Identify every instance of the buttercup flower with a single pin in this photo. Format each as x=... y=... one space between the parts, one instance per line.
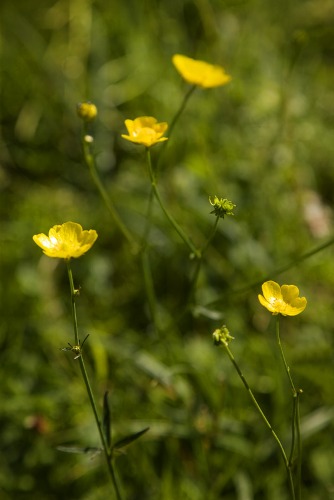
x=145 y=130
x=66 y=241
x=199 y=72
x=283 y=299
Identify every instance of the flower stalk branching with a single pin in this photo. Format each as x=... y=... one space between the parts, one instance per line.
x=87 y=142
x=222 y=337
x=106 y=449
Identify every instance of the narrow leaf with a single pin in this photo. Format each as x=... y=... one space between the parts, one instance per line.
x=129 y=439
x=91 y=450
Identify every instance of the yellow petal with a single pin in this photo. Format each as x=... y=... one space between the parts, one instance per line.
x=145 y=130
x=129 y=125
x=66 y=241
x=283 y=299
x=145 y=121
x=271 y=290
x=267 y=304
x=296 y=307
x=199 y=72
x=289 y=292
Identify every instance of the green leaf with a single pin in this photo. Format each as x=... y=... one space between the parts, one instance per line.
x=91 y=450
x=129 y=439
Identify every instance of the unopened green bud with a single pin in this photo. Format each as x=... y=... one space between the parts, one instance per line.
x=87 y=111
x=221 y=206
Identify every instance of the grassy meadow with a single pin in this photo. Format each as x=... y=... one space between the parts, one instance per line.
x=149 y=303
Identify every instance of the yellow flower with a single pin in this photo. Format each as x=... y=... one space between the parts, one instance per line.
x=283 y=299
x=199 y=72
x=145 y=130
x=66 y=241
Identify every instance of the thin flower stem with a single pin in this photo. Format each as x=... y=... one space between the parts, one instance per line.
x=90 y=162
x=180 y=110
x=107 y=452
x=295 y=424
x=176 y=118
x=293 y=429
x=211 y=235
x=287 y=368
x=74 y=309
x=145 y=262
x=264 y=418
x=294 y=393
x=149 y=287
x=299 y=449
x=148 y=220
x=200 y=261
x=284 y=268
x=192 y=287
x=171 y=219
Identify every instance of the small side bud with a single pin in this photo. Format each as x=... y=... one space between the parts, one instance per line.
x=221 y=207
x=222 y=336
x=89 y=139
x=87 y=111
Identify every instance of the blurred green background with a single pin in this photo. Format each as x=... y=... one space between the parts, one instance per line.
x=264 y=141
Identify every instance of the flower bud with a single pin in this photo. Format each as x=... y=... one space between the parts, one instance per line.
x=87 y=111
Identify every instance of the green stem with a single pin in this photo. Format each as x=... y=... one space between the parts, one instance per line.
x=200 y=261
x=148 y=220
x=264 y=418
x=211 y=235
x=176 y=118
x=295 y=424
x=180 y=110
x=287 y=368
x=171 y=219
x=74 y=309
x=107 y=452
x=293 y=429
x=299 y=448
x=90 y=162
x=149 y=287
x=145 y=262
x=286 y=267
